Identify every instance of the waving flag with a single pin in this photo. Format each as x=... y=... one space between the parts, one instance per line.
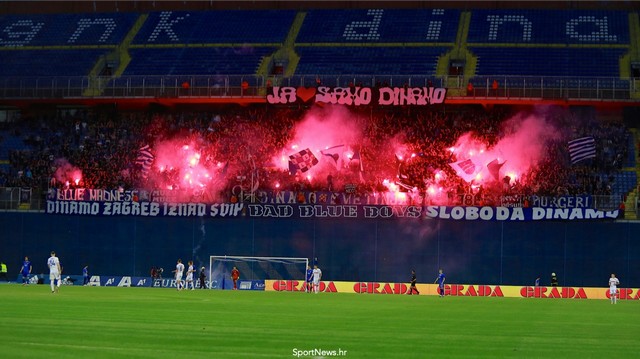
x=357 y=156
x=467 y=169
x=494 y=168
x=582 y=149
x=334 y=154
x=405 y=186
x=145 y=159
x=302 y=161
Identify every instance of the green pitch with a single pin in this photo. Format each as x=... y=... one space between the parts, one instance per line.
x=108 y=322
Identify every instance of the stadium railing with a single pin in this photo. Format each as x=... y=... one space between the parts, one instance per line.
x=21 y=198
x=219 y=86
x=33 y=199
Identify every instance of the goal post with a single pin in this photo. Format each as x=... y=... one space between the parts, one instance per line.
x=255 y=268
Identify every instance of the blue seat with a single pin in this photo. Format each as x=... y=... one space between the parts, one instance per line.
x=225 y=26
x=369 y=60
x=380 y=25
x=67 y=29
x=542 y=61
x=196 y=60
x=48 y=63
x=527 y=26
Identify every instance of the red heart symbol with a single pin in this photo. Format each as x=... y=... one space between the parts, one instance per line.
x=305 y=94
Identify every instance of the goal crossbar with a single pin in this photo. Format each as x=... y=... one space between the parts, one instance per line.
x=248 y=258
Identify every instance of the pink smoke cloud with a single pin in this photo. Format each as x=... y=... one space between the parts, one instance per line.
x=67 y=173
x=521 y=147
x=321 y=129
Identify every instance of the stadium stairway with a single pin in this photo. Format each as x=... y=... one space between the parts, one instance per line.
x=632 y=197
x=633 y=56
x=286 y=54
x=461 y=53
x=120 y=57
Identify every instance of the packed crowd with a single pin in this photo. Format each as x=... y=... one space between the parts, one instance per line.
x=103 y=145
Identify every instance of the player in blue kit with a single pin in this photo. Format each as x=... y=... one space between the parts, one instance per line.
x=440 y=280
x=308 y=284
x=26 y=270
x=85 y=275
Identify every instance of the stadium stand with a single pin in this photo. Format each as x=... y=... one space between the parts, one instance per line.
x=374 y=47
x=201 y=77
x=100 y=146
x=504 y=42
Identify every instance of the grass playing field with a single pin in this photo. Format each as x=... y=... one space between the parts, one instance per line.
x=111 y=322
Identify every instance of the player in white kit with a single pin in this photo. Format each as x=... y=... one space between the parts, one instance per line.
x=54 y=272
x=317 y=275
x=178 y=271
x=613 y=288
x=189 y=280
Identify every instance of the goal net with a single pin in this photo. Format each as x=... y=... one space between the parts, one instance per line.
x=255 y=268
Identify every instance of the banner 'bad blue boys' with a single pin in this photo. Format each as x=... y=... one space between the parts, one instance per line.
x=254 y=210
